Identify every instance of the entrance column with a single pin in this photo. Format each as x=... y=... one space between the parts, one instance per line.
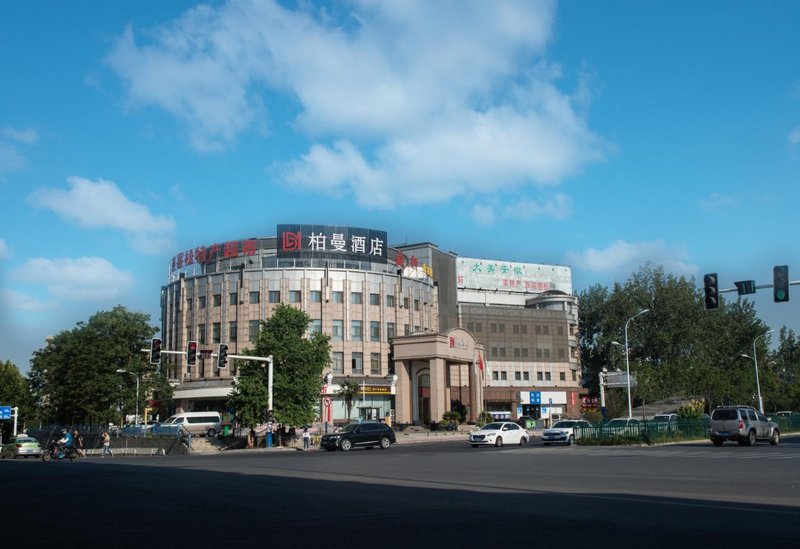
x=402 y=397
x=439 y=406
x=475 y=392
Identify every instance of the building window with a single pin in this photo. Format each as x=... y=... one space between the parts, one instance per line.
x=526 y=376
x=539 y=376
x=494 y=352
x=416 y=328
x=523 y=329
x=538 y=330
x=374 y=299
x=252 y=330
x=515 y=328
x=478 y=327
x=338 y=330
x=217 y=300
x=495 y=376
x=502 y=328
x=547 y=376
x=562 y=376
x=390 y=301
x=201 y=302
x=538 y=352
x=274 y=296
x=232 y=330
x=215 y=332
x=357 y=363
x=416 y=304
x=295 y=296
x=255 y=297
x=561 y=353
x=470 y=327
x=375 y=363
x=406 y=329
x=201 y=334
x=517 y=352
x=405 y=302
x=356 y=330
x=374 y=330
x=355 y=298
x=560 y=330
x=337 y=363
x=494 y=328
x=337 y=297
x=315 y=326
x=502 y=352
x=545 y=330
x=389 y=331
x=524 y=352
x=315 y=296
x=232 y=300
x=503 y=376
x=189 y=303
x=574 y=375
x=517 y=376
x=547 y=353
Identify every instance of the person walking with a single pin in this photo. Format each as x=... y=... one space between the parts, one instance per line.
x=306 y=438
x=77 y=441
x=106 y=438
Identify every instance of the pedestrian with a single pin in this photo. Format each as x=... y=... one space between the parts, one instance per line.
x=106 y=439
x=77 y=441
x=306 y=438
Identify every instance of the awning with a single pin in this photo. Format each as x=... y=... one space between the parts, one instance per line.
x=206 y=392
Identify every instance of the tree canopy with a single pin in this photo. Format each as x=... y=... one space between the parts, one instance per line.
x=14 y=392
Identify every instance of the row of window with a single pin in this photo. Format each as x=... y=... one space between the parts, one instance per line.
x=500 y=328
x=356 y=363
x=315 y=326
x=522 y=352
x=296 y=296
x=502 y=375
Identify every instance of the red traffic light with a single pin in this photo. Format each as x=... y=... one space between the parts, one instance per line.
x=191 y=353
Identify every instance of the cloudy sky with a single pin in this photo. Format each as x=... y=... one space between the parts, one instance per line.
x=598 y=135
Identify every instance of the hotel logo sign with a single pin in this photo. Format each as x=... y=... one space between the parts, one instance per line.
x=331 y=242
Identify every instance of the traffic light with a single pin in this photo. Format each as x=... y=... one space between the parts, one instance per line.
x=222 y=356
x=780 y=283
x=155 y=351
x=711 y=287
x=191 y=353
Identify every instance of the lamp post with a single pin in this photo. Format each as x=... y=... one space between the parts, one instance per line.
x=121 y=371
x=627 y=360
x=755 y=362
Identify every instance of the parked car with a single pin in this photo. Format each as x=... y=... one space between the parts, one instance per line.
x=498 y=433
x=21 y=446
x=622 y=426
x=526 y=422
x=196 y=423
x=364 y=433
x=563 y=431
x=744 y=424
x=663 y=423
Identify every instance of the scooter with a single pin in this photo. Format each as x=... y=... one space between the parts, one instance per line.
x=59 y=452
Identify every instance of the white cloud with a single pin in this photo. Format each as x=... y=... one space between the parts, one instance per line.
x=4 y=250
x=555 y=207
x=624 y=258
x=405 y=103
x=719 y=201
x=483 y=214
x=10 y=158
x=13 y=300
x=793 y=139
x=10 y=138
x=27 y=136
x=81 y=279
x=100 y=204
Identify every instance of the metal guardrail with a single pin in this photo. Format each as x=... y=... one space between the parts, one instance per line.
x=647 y=431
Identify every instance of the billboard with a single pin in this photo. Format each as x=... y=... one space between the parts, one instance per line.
x=489 y=274
x=331 y=242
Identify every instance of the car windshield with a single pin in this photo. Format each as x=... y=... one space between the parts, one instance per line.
x=25 y=439
x=617 y=422
x=563 y=424
x=661 y=418
x=492 y=427
x=170 y=421
x=350 y=427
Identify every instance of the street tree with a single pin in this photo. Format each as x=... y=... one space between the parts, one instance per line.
x=250 y=395
x=298 y=363
x=348 y=392
x=14 y=392
x=74 y=377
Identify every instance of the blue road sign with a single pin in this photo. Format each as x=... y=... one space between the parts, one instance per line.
x=5 y=412
x=536 y=397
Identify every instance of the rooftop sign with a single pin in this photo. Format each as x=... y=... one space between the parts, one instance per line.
x=331 y=242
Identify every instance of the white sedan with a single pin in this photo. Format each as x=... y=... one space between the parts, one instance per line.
x=564 y=431
x=498 y=433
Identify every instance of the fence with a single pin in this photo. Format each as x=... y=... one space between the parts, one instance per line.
x=636 y=431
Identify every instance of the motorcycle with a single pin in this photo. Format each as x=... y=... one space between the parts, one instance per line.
x=58 y=452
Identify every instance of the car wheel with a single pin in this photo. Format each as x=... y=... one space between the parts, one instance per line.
x=523 y=441
x=384 y=443
x=775 y=438
x=46 y=456
x=570 y=440
x=345 y=445
x=717 y=442
x=498 y=442
x=751 y=438
x=211 y=433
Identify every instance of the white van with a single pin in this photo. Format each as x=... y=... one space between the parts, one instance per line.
x=197 y=423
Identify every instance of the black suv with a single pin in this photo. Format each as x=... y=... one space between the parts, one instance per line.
x=365 y=433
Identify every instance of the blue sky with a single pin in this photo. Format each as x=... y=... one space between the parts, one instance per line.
x=598 y=135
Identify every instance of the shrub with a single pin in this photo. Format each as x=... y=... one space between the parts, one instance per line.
x=693 y=409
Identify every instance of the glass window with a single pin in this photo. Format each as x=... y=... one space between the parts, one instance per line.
x=356 y=330
x=390 y=301
x=374 y=330
x=517 y=376
x=574 y=375
x=217 y=300
x=295 y=296
x=255 y=297
x=374 y=299
x=389 y=331
x=337 y=363
x=545 y=330
x=416 y=304
x=547 y=376
x=524 y=352
x=502 y=328
x=315 y=326
x=523 y=329
x=252 y=330
x=526 y=376
x=494 y=352
x=274 y=296
x=470 y=327
x=478 y=327
x=494 y=328
x=215 y=332
x=337 y=297
x=515 y=328
x=495 y=376
x=406 y=329
x=562 y=376
x=201 y=334
x=517 y=352
x=315 y=296
x=189 y=303
x=405 y=302
x=357 y=363
x=539 y=376
x=503 y=376
x=232 y=298
x=502 y=352
x=201 y=302
x=232 y=331
x=338 y=330
x=375 y=363
x=355 y=298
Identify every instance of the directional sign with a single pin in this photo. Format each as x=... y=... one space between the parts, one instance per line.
x=535 y=397
x=5 y=412
x=744 y=287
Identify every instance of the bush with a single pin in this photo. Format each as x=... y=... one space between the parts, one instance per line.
x=593 y=416
x=693 y=409
x=484 y=418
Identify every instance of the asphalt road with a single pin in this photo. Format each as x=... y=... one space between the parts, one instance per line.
x=422 y=495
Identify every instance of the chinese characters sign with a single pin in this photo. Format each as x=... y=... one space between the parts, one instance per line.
x=204 y=254
x=331 y=242
x=488 y=274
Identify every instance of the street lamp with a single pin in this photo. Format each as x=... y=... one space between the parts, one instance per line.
x=627 y=359
x=755 y=361
x=121 y=371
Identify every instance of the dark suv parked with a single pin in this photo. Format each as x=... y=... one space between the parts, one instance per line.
x=366 y=433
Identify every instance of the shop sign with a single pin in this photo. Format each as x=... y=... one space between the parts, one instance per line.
x=331 y=242
x=487 y=274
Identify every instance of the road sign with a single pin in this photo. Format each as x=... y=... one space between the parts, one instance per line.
x=745 y=287
x=535 y=397
x=5 y=412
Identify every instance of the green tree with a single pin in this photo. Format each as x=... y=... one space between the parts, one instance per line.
x=348 y=392
x=14 y=392
x=250 y=394
x=298 y=363
x=74 y=377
